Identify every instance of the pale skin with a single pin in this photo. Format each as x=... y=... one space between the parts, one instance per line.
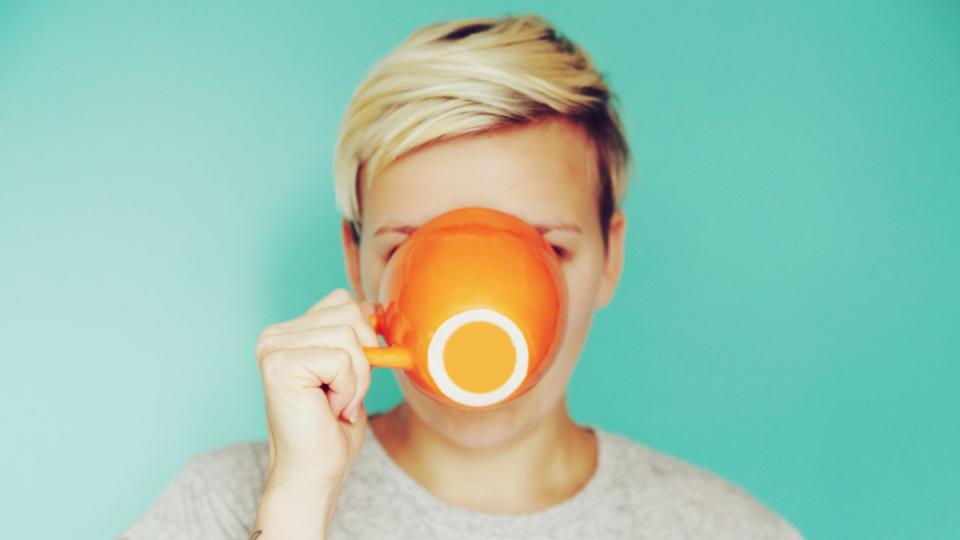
x=524 y=456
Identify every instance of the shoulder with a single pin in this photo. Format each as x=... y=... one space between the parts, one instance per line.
x=238 y=469
x=676 y=491
x=213 y=496
x=236 y=472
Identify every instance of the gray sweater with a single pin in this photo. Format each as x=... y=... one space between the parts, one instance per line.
x=635 y=492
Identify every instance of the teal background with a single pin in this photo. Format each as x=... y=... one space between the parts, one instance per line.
x=788 y=316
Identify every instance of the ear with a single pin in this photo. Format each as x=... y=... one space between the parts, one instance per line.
x=613 y=263
x=351 y=257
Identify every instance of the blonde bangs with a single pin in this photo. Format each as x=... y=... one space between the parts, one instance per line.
x=454 y=78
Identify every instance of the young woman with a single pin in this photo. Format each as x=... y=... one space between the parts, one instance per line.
x=502 y=113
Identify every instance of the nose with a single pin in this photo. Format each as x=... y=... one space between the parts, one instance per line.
x=478 y=357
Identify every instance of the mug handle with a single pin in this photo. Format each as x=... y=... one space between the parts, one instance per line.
x=390 y=357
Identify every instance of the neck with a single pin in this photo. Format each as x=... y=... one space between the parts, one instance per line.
x=536 y=470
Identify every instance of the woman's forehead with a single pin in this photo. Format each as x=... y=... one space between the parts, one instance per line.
x=540 y=172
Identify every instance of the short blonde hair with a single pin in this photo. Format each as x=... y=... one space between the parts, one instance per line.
x=453 y=78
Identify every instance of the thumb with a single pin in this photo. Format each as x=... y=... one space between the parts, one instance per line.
x=367 y=308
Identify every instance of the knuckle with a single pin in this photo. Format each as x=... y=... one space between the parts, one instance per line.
x=272 y=364
x=354 y=313
x=342 y=358
x=264 y=344
x=265 y=333
x=345 y=332
x=353 y=309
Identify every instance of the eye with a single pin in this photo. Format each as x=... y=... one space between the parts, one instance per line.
x=559 y=251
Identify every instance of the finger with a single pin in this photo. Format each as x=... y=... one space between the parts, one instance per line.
x=342 y=334
x=335 y=297
x=304 y=370
x=348 y=313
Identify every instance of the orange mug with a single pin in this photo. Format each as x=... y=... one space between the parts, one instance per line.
x=472 y=306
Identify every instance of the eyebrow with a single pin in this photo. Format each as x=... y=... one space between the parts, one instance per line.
x=541 y=228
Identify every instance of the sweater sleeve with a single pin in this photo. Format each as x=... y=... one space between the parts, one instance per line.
x=214 y=497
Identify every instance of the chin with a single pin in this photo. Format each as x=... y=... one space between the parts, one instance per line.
x=476 y=428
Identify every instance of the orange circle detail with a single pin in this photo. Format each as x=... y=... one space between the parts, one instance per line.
x=479 y=357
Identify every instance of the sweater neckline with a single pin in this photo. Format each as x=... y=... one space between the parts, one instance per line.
x=439 y=509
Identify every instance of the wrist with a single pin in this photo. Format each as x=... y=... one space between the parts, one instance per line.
x=307 y=473
x=295 y=510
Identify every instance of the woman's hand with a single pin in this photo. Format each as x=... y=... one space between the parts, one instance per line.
x=315 y=376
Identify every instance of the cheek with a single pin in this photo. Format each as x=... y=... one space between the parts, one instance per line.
x=583 y=282
x=582 y=285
